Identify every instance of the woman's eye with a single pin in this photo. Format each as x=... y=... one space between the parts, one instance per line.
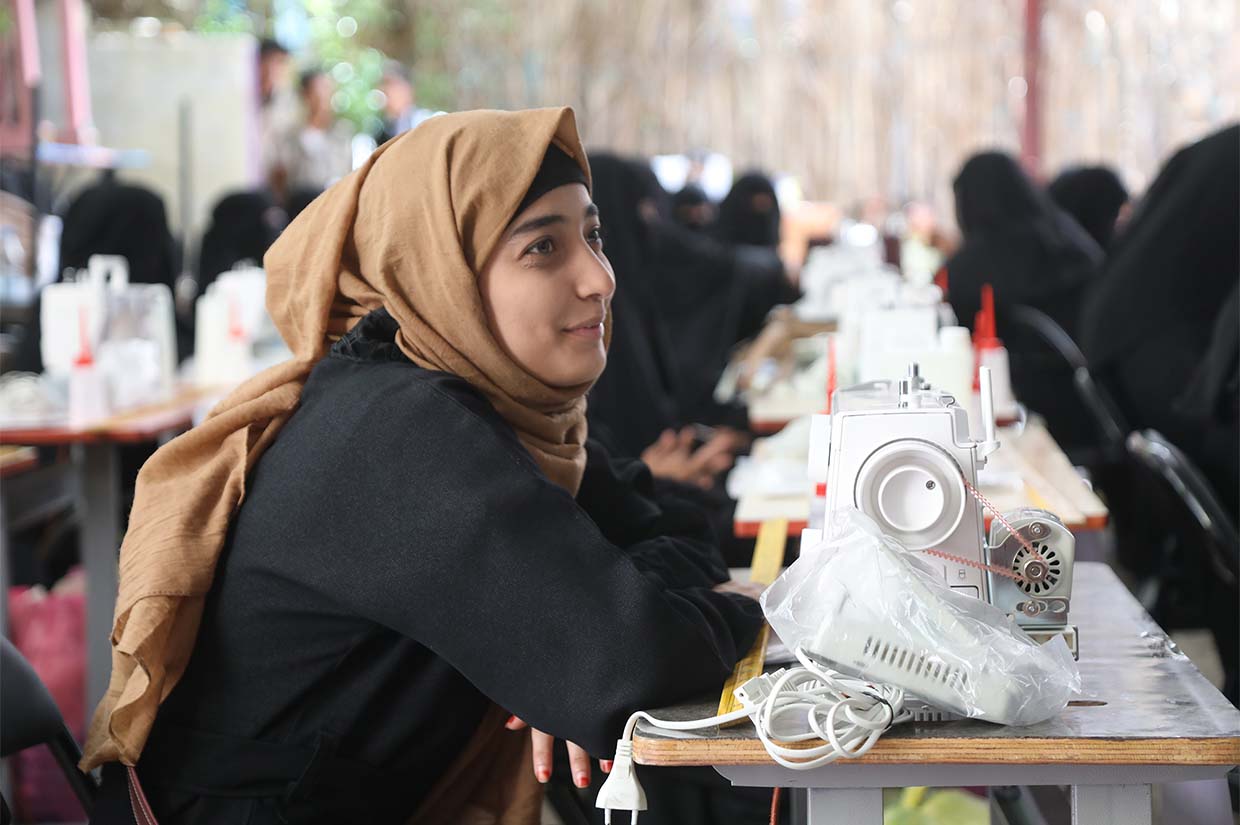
x=595 y=235
x=542 y=247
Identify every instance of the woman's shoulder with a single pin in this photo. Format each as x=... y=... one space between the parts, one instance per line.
x=367 y=380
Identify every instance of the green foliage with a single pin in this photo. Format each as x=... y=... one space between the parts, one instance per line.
x=352 y=39
x=224 y=16
x=944 y=806
x=346 y=39
x=345 y=36
x=435 y=86
x=442 y=32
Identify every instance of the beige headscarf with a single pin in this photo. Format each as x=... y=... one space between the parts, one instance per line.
x=407 y=231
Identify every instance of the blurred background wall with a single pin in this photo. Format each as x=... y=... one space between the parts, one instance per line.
x=767 y=82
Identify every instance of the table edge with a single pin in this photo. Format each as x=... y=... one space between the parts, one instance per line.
x=1220 y=751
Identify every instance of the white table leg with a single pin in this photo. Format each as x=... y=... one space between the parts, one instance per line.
x=844 y=806
x=99 y=546
x=1111 y=805
x=6 y=779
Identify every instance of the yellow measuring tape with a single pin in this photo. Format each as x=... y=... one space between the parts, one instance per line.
x=768 y=558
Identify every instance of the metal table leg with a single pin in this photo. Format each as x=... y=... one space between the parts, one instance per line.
x=6 y=782
x=844 y=806
x=848 y=793
x=1111 y=805
x=5 y=562
x=99 y=547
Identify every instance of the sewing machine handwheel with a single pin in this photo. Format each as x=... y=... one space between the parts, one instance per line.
x=914 y=492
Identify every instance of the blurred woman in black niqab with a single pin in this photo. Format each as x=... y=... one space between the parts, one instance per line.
x=692 y=209
x=634 y=400
x=749 y=224
x=1032 y=254
x=1016 y=240
x=110 y=218
x=120 y=219
x=705 y=296
x=1161 y=306
x=713 y=294
x=749 y=215
x=1094 y=196
x=243 y=226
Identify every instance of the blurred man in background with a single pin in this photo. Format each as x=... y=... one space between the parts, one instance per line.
x=400 y=109
x=277 y=114
x=317 y=151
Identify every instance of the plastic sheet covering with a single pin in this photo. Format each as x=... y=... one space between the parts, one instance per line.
x=867 y=607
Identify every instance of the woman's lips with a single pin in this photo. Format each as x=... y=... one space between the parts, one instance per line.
x=591 y=330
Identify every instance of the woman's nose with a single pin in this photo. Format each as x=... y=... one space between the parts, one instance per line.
x=595 y=278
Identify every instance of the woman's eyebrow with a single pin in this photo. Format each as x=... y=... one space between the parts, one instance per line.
x=543 y=221
x=534 y=224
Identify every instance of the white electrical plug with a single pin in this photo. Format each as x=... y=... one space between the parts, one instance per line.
x=756 y=690
x=621 y=791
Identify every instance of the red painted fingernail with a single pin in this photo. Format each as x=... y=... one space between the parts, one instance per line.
x=605 y=764
x=581 y=780
x=543 y=774
x=512 y=720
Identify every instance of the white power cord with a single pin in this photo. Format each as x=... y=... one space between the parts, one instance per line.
x=849 y=714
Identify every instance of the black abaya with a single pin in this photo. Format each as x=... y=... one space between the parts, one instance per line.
x=1093 y=196
x=399 y=563
x=1031 y=254
x=1166 y=300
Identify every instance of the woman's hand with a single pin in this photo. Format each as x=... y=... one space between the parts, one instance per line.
x=673 y=457
x=542 y=745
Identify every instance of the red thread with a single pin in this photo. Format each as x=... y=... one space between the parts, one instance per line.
x=1024 y=542
x=985 y=502
x=970 y=563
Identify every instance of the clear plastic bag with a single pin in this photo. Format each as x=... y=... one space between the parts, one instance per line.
x=863 y=605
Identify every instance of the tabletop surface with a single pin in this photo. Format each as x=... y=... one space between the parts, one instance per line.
x=1142 y=703
x=140 y=424
x=15 y=460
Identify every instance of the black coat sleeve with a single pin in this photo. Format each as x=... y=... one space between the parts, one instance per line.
x=475 y=554
x=665 y=535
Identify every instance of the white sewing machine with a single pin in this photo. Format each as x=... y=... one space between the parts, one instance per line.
x=901 y=452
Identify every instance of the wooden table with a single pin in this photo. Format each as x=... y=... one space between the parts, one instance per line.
x=1146 y=716
x=95 y=449
x=1050 y=483
x=16 y=460
x=770 y=414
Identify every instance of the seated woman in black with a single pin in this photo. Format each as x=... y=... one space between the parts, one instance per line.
x=428 y=543
x=1033 y=255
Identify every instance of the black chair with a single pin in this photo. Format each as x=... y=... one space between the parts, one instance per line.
x=31 y=718
x=1095 y=400
x=1203 y=554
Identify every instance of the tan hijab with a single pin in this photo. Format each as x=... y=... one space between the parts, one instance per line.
x=407 y=231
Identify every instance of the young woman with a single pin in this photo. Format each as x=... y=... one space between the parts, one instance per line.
x=1033 y=254
x=337 y=589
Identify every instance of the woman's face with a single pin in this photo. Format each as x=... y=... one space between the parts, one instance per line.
x=547 y=287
